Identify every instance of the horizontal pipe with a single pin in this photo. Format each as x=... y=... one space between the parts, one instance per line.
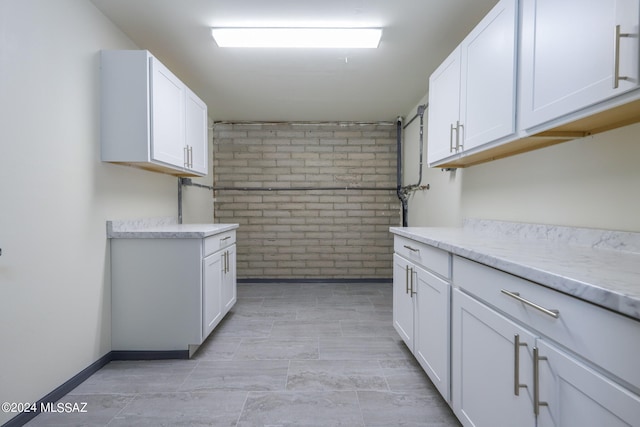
x=302 y=188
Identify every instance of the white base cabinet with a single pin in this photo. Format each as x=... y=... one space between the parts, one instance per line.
x=571 y=394
x=431 y=335
x=492 y=367
x=168 y=294
x=526 y=355
x=421 y=301
x=504 y=351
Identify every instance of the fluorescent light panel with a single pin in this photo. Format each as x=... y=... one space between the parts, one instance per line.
x=363 y=38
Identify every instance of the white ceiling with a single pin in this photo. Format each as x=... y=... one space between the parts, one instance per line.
x=300 y=85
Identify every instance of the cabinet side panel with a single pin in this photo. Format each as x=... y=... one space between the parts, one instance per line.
x=156 y=293
x=124 y=127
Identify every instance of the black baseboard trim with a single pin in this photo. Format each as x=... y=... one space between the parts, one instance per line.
x=332 y=281
x=79 y=378
x=60 y=391
x=149 y=355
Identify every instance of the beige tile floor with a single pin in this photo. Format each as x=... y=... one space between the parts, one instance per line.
x=286 y=355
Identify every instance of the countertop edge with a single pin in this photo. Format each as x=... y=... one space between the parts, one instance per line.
x=607 y=298
x=189 y=231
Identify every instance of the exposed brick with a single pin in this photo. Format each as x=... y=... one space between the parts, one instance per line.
x=308 y=234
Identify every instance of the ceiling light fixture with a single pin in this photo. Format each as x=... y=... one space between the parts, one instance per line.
x=363 y=38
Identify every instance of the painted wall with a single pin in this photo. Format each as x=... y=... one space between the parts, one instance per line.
x=56 y=195
x=590 y=182
x=439 y=206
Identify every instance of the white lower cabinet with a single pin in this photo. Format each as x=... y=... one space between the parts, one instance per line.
x=228 y=288
x=492 y=367
x=431 y=335
x=571 y=394
x=403 y=303
x=219 y=287
x=525 y=355
x=213 y=268
x=168 y=294
x=421 y=301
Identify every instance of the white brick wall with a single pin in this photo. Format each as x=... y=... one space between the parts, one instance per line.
x=314 y=233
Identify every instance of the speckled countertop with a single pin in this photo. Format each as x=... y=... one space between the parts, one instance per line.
x=163 y=228
x=599 y=266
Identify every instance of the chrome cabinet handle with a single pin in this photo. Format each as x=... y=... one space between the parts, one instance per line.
x=224 y=262
x=409 y=271
x=515 y=295
x=227 y=259
x=536 y=382
x=406 y=279
x=459 y=146
x=451 y=147
x=516 y=364
x=185 y=154
x=412 y=273
x=412 y=249
x=225 y=238
x=616 y=56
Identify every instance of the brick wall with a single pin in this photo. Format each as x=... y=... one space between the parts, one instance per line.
x=308 y=233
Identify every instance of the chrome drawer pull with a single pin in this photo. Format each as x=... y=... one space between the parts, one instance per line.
x=516 y=364
x=536 y=381
x=515 y=295
x=412 y=249
x=226 y=238
x=616 y=56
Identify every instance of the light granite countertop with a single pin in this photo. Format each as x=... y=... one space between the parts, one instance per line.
x=598 y=266
x=163 y=228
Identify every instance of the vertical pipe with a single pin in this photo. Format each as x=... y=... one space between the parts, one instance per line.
x=401 y=195
x=179 y=200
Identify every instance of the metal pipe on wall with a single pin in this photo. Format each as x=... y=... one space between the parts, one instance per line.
x=420 y=113
x=403 y=190
x=399 y=189
x=187 y=181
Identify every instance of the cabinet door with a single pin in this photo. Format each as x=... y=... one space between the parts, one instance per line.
x=167 y=116
x=196 y=133
x=213 y=269
x=574 y=395
x=444 y=109
x=487 y=364
x=432 y=328
x=229 y=279
x=569 y=55
x=403 y=300
x=488 y=71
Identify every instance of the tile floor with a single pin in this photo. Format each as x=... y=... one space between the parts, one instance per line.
x=286 y=355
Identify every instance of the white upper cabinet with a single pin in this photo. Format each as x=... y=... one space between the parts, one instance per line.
x=167 y=118
x=575 y=53
x=150 y=119
x=444 y=109
x=488 y=84
x=472 y=95
x=196 y=133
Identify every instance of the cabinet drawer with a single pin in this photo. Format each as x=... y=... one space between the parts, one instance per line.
x=433 y=259
x=605 y=338
x=215 y=243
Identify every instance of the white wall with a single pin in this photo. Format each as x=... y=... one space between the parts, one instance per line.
x=439 y=206
x=590 y=182
x=55 y=195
